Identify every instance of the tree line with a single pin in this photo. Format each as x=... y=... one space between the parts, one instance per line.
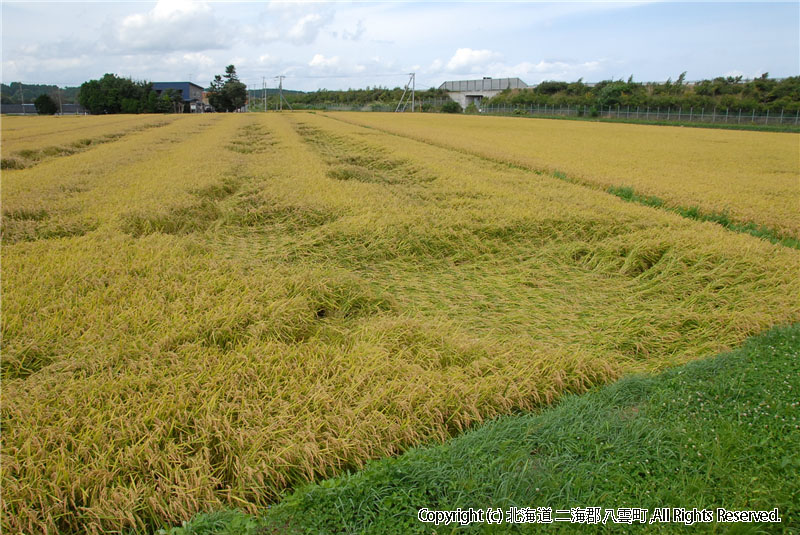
x=113 y=94
x=760 y=94
x=18 y=93
x=377 y=96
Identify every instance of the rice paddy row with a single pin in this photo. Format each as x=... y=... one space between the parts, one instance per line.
x=26 y=141
x=749 y=177
x=266 y=300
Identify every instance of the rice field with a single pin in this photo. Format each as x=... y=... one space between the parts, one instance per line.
x=751 y=177
x=208 y=313
x=28 y=140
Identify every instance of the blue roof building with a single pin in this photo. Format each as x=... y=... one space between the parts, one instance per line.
x=190 y=92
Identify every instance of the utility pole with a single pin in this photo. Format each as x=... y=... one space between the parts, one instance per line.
x=60 y=105
x=281 y=100
x=264 y=92
x=411 y=82
x=280 y=91
x=22 y=97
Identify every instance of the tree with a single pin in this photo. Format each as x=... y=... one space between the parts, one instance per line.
x=45 y=105
x=175 y=100
x=230 y=74
x=112 y=94
x=229 y=94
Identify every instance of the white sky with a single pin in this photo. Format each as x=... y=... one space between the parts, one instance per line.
x=336 y=45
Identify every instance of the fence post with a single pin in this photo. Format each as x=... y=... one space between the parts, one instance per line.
x=796 y=116
x=739 y=121
x=766 y=120
x=667 y=114
x=702 y=114
x=780 y=121
x=691 y=111
x=753 y=119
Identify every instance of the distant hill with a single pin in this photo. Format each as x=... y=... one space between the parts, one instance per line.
x=16 y=93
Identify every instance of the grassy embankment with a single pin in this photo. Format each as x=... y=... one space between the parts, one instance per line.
x=721 y=432
x=208 y=314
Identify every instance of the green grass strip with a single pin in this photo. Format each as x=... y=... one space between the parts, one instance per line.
x=693 y=212
x=722 y=432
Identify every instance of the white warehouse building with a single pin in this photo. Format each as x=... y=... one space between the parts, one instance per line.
x=467 y=92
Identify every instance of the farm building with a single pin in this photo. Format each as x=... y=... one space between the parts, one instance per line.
x=467 y=92
x=190 y=92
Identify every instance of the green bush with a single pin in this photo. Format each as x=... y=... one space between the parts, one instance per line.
x=45 y=105
x=451 y=106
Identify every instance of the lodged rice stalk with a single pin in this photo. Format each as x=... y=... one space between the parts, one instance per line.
x=750 y=178
x=207 y=314
x=26 y=141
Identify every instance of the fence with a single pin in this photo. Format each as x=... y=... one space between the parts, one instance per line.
x=628 y=113
x=30 y=109
x=678 y=115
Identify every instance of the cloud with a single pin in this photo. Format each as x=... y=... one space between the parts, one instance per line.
x=299 y=23
x=172 y=25
x=469 y=60
x=334 y=66
x=196 y=59
x=266 y=59
x=355 y=35
x=306 y=29
x=58 y=48
x=435 y=67
x=533 y=73
x=320 y=61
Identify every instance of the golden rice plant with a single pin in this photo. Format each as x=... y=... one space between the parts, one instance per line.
x=26 y=141
x=263 y=300
x=751 y=177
